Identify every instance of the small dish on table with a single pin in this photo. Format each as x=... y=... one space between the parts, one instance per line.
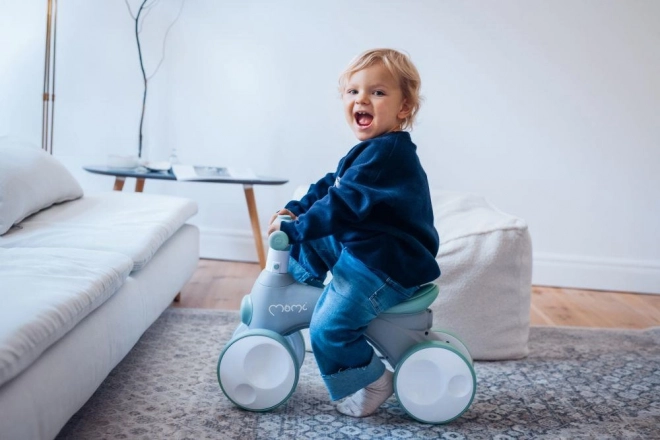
x=162 y=166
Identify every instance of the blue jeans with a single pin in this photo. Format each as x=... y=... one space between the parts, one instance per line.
x=352 y=299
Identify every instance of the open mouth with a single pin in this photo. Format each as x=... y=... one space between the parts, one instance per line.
x=363 y=119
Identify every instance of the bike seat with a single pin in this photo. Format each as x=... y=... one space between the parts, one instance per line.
x=420 y=300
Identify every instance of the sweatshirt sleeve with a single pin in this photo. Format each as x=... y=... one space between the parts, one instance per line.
x=353 y=194
x=315 y=192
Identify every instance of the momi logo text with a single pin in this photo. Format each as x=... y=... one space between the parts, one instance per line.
x=287 y=308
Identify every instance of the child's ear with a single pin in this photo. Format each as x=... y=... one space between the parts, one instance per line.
x=405 y=110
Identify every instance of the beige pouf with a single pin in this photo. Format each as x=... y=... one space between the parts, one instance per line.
x=485 y=258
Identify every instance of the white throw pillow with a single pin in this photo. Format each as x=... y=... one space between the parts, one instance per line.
x=30 y=180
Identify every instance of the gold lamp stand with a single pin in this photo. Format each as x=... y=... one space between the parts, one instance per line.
x=49 y=78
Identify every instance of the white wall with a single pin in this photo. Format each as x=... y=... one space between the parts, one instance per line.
x=551 y=109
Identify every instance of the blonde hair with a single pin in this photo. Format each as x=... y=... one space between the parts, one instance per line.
x=400 y=67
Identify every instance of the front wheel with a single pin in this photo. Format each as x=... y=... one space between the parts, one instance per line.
x=258 y=370
x=434 y=382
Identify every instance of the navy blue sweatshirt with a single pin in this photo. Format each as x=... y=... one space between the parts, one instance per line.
x=377 y=204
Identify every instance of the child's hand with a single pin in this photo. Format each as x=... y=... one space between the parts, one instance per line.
x=275 y=222
x=283 y=211
x=273 y=227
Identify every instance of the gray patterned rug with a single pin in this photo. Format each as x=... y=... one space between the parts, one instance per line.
x=575 y=384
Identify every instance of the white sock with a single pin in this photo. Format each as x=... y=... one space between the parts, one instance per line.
x=366 y=401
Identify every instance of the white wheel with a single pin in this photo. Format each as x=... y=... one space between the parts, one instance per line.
x=257 y=370
x=434 y=382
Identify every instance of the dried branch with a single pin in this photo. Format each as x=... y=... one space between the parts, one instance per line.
x=143 y=11
x=167 y=32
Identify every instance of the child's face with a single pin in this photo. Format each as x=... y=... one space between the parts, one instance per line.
x=373 y=102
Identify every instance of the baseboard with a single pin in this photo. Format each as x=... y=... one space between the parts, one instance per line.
x=228 y=244
x=641 y=276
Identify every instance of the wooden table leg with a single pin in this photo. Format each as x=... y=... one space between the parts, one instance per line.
x=254 y=219
x=139 y=185
x=119 y=183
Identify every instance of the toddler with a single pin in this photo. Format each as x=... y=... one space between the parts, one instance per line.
x=370 y=223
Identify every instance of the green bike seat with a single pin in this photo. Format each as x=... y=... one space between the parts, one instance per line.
x=420 y=300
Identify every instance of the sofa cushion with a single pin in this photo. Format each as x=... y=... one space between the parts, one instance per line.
x=133 y=224
x=30 y=180
x=485 y=287
x=45 y=293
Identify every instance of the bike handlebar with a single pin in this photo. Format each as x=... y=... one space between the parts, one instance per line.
x=278 y=240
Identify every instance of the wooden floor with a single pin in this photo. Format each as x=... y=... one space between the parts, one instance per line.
x=222 y=284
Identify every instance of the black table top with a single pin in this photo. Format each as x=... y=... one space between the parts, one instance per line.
x=145 y=173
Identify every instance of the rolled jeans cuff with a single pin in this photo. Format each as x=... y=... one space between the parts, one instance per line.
x=347 y=382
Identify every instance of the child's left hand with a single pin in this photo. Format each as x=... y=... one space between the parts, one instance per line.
x=275 y=222
x=282 y=211
x=273 y=227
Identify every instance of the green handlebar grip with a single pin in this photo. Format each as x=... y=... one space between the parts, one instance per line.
x=278 y=240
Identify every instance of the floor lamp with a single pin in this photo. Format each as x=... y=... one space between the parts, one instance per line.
x=49 y=78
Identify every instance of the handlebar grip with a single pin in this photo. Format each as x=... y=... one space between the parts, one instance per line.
x=278 y=240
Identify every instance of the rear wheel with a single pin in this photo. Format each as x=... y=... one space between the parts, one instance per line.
x=434 y=382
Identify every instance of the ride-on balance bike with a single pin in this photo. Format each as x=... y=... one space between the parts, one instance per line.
x=258 y=369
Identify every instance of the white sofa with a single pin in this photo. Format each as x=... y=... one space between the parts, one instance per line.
x=81 y=279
